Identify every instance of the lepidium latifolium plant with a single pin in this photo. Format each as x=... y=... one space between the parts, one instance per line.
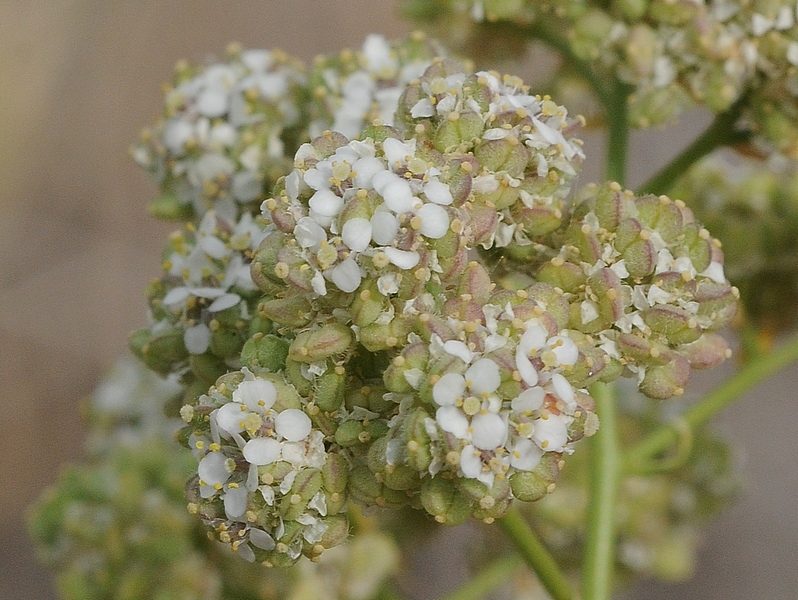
x=391 y=305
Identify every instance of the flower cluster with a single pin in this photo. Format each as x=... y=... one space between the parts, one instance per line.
x=345 y=343
x=203 y=308
x=117 y=526
x=225 y=134
x=750 y=202
x=645 y=286
x=672 y=54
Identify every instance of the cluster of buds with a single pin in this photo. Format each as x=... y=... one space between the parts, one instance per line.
x=751 y=203
x=225 y=135
x=645 y=286
x=117 y=526
x=672 y=54
x=345 y=343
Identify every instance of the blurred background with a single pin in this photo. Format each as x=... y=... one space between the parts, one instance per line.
x=80 y=79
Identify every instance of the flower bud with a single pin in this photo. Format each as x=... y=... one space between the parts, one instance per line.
x=675 y=324
x=292 y=311
x=529 y=486
x=441 y=499
x=314 y=345
x=267 y=351
x=376 y=337
x=417 y=441
x=306 y=484
x=330 y=388
x=668 y=380
x=708 y=351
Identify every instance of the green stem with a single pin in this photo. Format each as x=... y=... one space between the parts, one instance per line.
x=605 y=469
x=494 y=576
x=749 y=376
x=720 y=133
x=617 y=133
x=535 y=555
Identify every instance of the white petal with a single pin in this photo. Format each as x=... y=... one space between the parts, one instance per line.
x=398 y=196
x=525 y=455
x=213 y=102
x=347 y=275
x=230 y=417
x=319 y=284
x=212 y=469
x=458 y=349
x=526 y=369
x=448 y=389
x=529 y=400
x=224 y=302
x=489 y=431
x=565 y=349
x=365 y=169
x=434 y=221
x=384 y=226
x=356 y=234
x=404 y=259
x=292 y=424
x=563 y=389
x=438 y=192
x=422 y=108
x=309 y=233
x=176 y=296
x=470 y=462
x=197 y=338
x=261 y=539
x=245 y=552
x=326 y=203
x=551 y=434
x=235 y=502
x=534 y=338
x=256 y=394
x=262 y=451
x=452 y=420
x=483 y=377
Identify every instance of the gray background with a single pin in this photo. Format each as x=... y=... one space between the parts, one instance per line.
x=79 y=79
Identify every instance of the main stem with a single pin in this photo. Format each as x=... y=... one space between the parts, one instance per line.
x=605 y=470
x=492 y=577
x=753 y=373
x=535 y=554
x=617 y=133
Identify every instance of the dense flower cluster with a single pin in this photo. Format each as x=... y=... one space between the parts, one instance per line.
x=345 y=343
x=672 y=54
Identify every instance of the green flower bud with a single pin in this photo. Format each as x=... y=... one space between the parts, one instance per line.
x=563 y=275
x=377 y=337
x=267 y=351
x=529 y=486
x=417 y=442
x=367 y=305
x=350 y=433
x=330 y=388
x=159 y=352
x=328 y=341
x=459 y=129
x=226 y=343
x=662 y=214
x=441 y=499
x=207 y=367
x=292 y=311
x=675 y=324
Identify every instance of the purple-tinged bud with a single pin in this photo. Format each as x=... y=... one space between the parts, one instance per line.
x=337 y=530
x=293 y=311
x=483 y=223
x=328 y=142
x=638 y=252
x=459 y=178
x=333 y=339
x=717 y=302
x=584 y=239
x=643 y=350
x=708 y=351
x=447 y=505
x=668 y=380
x=453 y=266
x=556 y=305
x=536 y=221
x=675 y=324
